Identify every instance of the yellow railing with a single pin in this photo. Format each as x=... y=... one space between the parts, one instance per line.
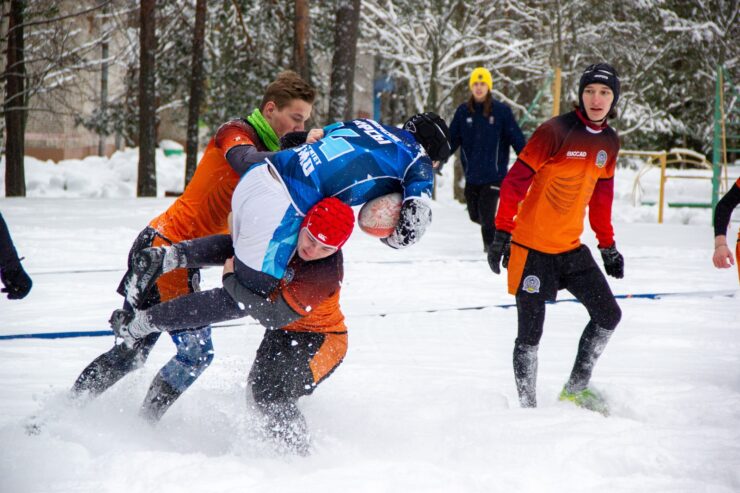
x=665 y=158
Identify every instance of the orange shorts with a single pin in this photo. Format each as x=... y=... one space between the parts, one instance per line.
x=330 y=354
x=174 y=283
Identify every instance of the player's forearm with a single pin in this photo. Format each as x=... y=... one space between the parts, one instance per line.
x=193 y=311
x=513 y=190
x=600 y=212
x=242 y=157
x=271 y=314
x=724 y=210
x=720 y=241
x=206 y=251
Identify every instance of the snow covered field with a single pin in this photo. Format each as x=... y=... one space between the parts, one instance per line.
x=425 y=400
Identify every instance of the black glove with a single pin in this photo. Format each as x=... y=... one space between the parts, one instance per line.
x=16 y=281
x=416 y=215
x=293 y=139
x=613 y=261
x=499 y=249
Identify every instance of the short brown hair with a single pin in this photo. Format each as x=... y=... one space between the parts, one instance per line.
x=285 y=88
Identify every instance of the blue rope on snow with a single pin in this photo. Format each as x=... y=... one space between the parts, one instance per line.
x=649 y=296
x=58 y=335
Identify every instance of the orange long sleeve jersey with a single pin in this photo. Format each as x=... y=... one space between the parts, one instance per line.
x=204 y=206
x=567 y=164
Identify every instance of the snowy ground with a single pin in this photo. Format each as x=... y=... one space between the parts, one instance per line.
x=425 y=399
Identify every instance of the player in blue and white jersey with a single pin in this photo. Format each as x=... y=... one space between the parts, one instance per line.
x=354 y=161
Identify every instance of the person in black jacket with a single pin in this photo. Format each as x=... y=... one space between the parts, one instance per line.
x=484 y=129
x=16 y=281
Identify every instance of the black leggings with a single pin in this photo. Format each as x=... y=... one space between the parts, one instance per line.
x=575 y=271
x=482 y=202
x=281 y=370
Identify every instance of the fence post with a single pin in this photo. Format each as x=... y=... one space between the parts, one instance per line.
x=717 y=145
x=663 y=158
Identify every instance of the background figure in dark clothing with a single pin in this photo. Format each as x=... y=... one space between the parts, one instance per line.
x=484 y=129
x=16 y=281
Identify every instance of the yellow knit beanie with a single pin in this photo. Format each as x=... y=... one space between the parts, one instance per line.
x=481 y=75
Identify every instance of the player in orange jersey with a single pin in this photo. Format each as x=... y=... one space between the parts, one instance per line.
x=201 y=210
x=568 y=164
x=722 y=257
x=306 y=338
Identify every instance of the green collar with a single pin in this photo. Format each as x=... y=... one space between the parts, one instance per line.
x=264 y=130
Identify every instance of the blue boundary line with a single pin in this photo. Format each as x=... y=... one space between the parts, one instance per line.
x=58 y=335
x=649 y=296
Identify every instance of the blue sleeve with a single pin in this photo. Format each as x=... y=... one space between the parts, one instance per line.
x=455 y=137
x=332 y=126
x=514 y=135
x=418 y=180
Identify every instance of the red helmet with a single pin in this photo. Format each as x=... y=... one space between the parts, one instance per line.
x=330 y=221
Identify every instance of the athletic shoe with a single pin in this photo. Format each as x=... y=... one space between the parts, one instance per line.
x=146 y=268
x=587 y=399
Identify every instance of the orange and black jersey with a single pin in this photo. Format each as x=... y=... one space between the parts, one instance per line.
x=567 y=164
x=204 y=206
x=306 y=300
x=312 y=291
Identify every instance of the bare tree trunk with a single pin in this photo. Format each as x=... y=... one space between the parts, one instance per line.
x=196 y=90
x=103 y=92
x=300 y=38
x=14 y=105
x=146 y=185
x=341 y=94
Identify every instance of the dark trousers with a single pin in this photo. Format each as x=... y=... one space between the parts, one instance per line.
x=576 y=271
x=280 y=375
x=194 y=348
x=482 y=203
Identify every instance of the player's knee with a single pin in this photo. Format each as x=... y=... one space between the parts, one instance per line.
x=262 y=392
x=195 y=351
x=609 y=318
x=529 y=338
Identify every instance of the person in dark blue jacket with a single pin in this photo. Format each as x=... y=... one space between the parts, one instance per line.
x=484 y=129
x=14 y=278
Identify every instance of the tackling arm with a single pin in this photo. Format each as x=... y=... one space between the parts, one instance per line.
x=234 y=140
x=271 y=314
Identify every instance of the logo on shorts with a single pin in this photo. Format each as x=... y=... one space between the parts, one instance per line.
x=531 y=284
x=601 y=159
